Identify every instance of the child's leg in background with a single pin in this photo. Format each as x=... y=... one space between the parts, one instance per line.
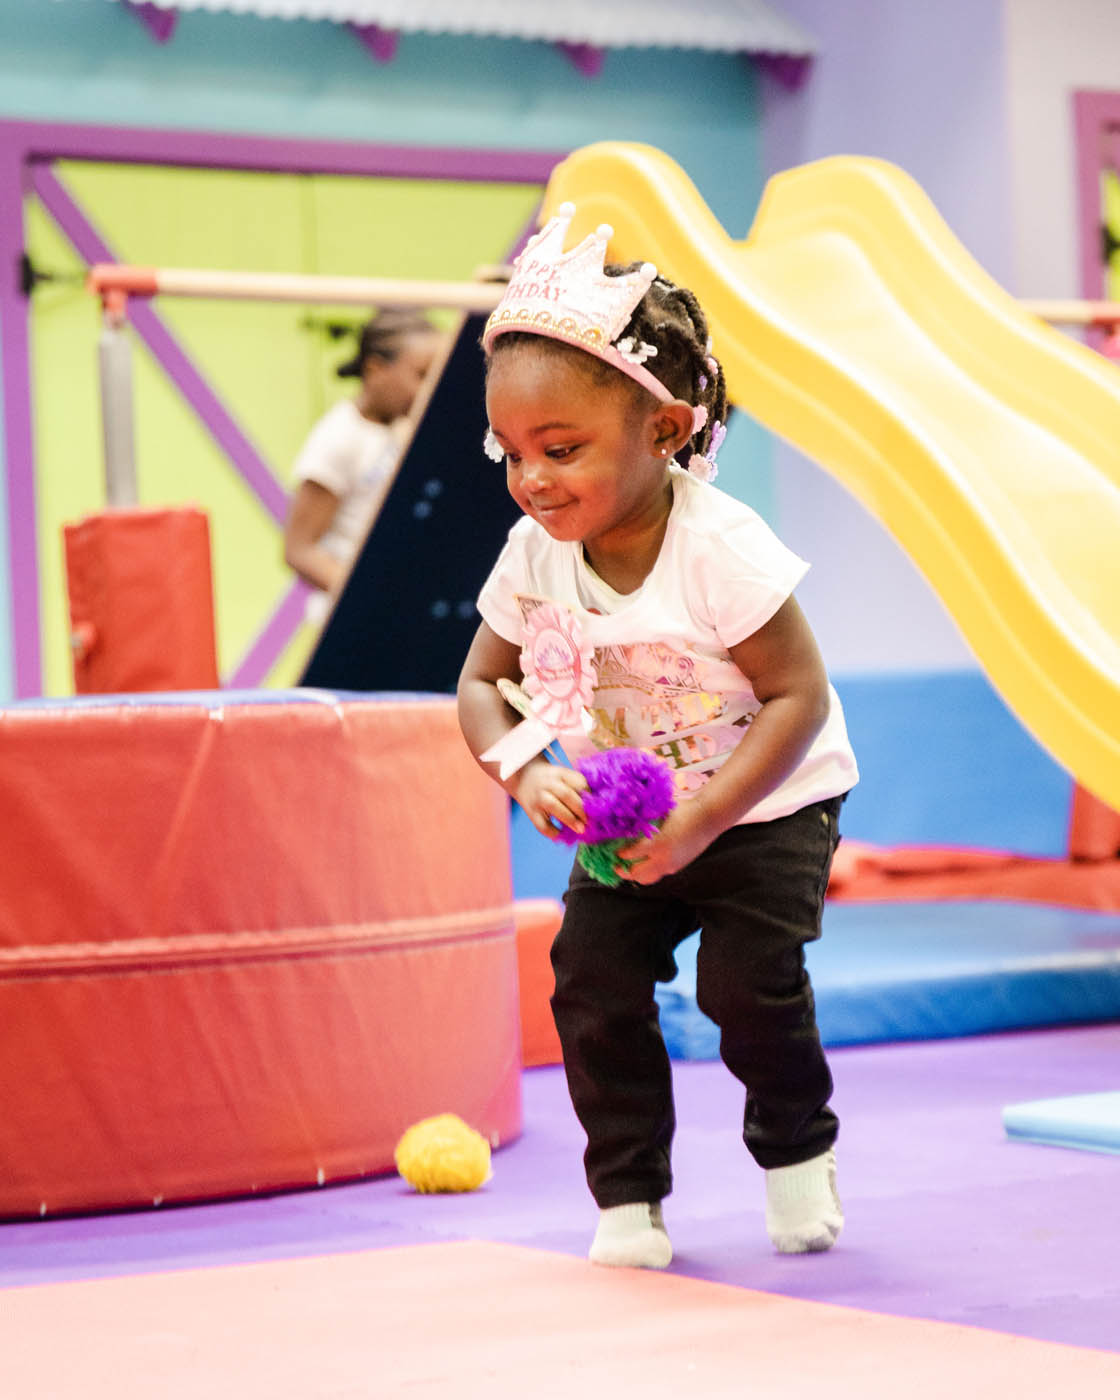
x=760 y=890
x=612 y=947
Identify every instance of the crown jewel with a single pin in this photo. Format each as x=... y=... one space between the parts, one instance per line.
x=567 y=296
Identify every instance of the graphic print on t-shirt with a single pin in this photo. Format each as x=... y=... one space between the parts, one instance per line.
x=673 y=702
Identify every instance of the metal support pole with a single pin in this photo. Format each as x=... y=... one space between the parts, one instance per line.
x=114 y=358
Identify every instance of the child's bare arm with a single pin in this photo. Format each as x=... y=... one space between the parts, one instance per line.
x=789 y=678
x=548 y=792
x=312 y=509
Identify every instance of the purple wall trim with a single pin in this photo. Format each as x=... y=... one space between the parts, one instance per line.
x=381 y=44
x=790 y=70
x=159 y=23
x=584 y=58
x=273 y=638
x=1092 y=112
x=28 y=147
x=48 y=141
x=215 y=417
x=19 y=442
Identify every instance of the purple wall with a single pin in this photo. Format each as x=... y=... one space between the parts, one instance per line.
x=922 y=86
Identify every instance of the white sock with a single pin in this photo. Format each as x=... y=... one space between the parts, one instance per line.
x=632 y=1237
x=803 y=1212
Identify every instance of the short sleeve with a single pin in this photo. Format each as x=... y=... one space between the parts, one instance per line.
x=327 y=456
x=746 y=573
x=497 y=602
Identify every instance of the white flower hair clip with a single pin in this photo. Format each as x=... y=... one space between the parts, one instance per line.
x=704 y=467
x=635 y=356
x=492 y=447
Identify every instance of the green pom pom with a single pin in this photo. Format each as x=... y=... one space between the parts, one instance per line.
x=600 y=859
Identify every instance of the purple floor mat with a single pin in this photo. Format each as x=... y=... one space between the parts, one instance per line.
x=946 y=1218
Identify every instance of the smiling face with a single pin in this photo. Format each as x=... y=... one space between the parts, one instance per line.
x=586 y=455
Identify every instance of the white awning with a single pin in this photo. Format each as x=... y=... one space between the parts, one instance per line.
x=729 y=26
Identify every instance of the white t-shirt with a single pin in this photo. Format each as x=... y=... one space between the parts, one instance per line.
x=665 y=678
x=355 y=460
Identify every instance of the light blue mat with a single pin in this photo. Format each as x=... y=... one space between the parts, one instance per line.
x=924 y=971
x=1088 y=1121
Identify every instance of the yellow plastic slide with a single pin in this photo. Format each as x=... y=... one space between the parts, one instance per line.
x=851 y=322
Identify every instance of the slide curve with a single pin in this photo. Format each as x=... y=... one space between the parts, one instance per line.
x=853 y=323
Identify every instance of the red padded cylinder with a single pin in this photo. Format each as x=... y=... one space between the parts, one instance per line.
x=141 y=601
x=244 y=944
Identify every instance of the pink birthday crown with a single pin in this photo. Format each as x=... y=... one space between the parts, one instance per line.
x=568 y=296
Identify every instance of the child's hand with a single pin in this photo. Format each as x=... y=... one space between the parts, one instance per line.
x=679 y=840
x=549 y=794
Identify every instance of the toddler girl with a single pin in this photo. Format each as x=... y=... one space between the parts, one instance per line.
x=643 y=606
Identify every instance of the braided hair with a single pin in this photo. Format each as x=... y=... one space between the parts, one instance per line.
x=671 y=319
x=383 y=337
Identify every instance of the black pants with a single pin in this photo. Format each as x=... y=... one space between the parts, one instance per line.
x=756 y=894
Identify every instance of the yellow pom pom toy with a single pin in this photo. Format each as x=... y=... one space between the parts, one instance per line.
x=443 y=1154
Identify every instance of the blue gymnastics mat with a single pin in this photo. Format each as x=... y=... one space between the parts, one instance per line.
x=1088 y=1121
x=926 y=971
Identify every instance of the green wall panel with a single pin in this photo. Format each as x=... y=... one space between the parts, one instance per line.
x=271 y=364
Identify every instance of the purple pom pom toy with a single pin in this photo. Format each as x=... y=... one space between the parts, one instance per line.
x=629 y=794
